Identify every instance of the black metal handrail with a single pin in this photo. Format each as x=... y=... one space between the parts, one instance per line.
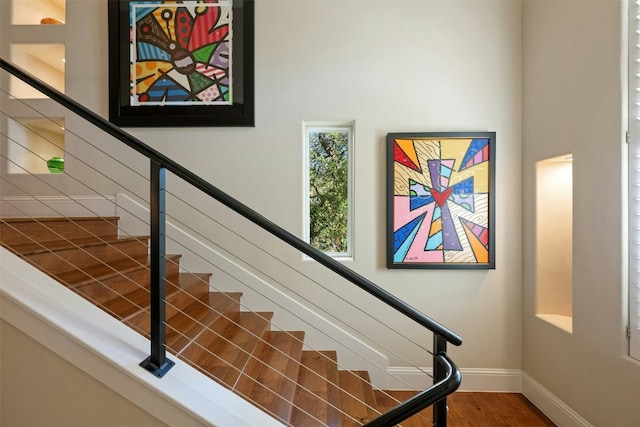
x=160 y=162
x=435 y=393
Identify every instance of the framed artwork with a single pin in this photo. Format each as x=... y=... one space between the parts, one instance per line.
x=440 y=200
x=187 y=63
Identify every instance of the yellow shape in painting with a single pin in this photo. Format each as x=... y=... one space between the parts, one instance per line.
x=436 y=227
x=481 y=253
x=147 y=72
x=456 y=148
x=166 y=15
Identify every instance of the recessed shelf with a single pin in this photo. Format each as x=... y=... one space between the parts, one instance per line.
x=33 y=37
x=554 y=241
x=562 y=322
x=33 y=141
x=29 y=12
x=46 y=61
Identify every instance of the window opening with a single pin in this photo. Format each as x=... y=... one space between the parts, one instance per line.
x=329 y=161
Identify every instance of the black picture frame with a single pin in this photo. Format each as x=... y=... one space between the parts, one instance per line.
x=239 y=113
x=441 y=200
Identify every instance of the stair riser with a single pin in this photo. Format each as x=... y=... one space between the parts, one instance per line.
x=15 y=231
x=79 y=258
x=231 y=301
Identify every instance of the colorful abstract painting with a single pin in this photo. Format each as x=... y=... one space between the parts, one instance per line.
x=440 y=200
x=181 y=52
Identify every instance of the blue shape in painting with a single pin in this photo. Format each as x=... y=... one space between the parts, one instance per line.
x=450 y=237
x=475 y=147
x=464 y=187
x=435 y=240
x=140 y=11
x=165 y=89
x=404 y=233
x=147 y=51
x=420 y=196
x=445 y=175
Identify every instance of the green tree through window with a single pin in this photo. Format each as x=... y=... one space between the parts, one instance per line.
x=329 y=190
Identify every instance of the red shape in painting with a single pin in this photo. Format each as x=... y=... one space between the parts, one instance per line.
x=401 y=157
x=439 y=197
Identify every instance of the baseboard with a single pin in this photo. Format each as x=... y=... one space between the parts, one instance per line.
x=53 y=206
x=547 y=402
x=485 y=380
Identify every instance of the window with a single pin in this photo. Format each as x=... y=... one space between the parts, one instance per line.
x=634 y=180
x=328 y=207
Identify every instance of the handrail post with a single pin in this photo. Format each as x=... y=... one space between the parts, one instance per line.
x=157 y=363
x=439 y=373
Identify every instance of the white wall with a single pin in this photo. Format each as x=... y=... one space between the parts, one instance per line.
x=45 y=389
x=573 y=88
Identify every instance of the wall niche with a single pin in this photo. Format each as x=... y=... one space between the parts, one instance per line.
x=554 y=241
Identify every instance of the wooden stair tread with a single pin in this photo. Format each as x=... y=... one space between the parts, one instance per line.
x=102 y=271
x=31 y=219
x=14 y=230
x=270 y=376
x=37 y=247
x=71 y=258
x=114 y=269
x=357 y=400
x=223 y=349
x=317 y=400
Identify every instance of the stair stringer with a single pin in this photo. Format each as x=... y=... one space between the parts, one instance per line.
x=108 y=351
x=228 y=275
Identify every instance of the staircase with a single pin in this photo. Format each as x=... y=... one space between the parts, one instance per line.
x=207 y=330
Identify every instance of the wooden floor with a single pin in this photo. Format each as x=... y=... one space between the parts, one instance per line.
x=486 y=410
x=494 y=410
